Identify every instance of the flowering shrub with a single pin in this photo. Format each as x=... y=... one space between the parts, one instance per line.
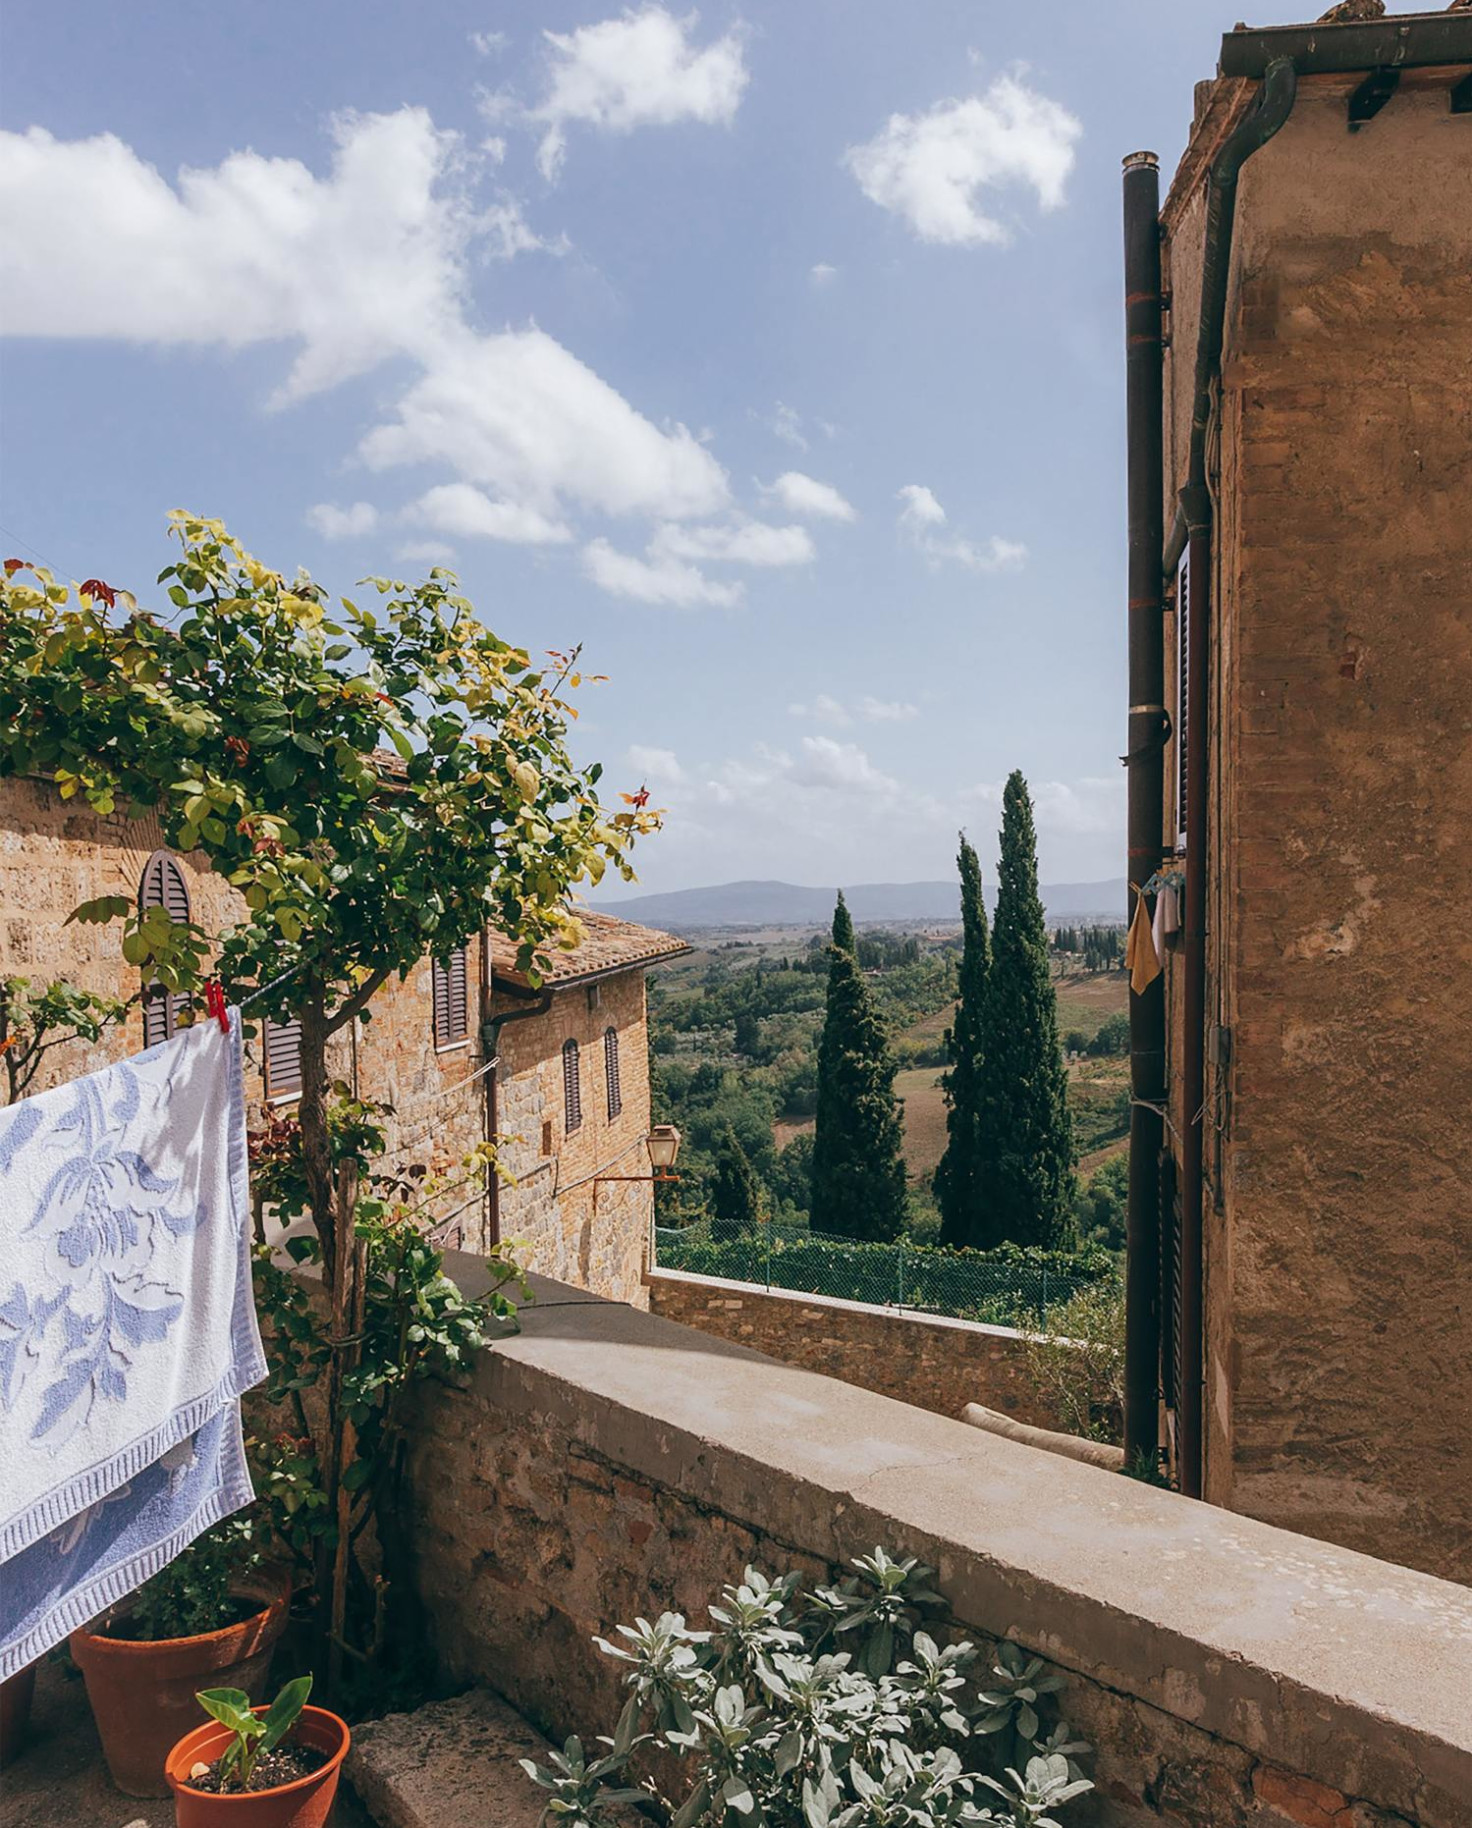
x=832 y=1709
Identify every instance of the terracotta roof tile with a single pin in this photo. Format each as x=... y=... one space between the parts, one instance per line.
x=608 y=945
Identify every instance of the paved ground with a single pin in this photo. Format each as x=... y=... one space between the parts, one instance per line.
x=60 y=1781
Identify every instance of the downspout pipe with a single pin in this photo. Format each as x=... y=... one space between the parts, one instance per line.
x=1191 y=534
x=490 y=1029
x=1145 y=762
x=1271 y=109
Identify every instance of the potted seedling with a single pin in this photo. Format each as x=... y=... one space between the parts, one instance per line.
x=271 y=1767
x=214 y=1613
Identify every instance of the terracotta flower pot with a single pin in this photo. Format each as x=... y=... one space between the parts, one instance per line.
x=16 y=1693
x=307 y=1803
x=142 y=1694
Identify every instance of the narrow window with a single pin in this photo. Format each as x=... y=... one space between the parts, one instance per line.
x=572 y=1087
x=283 y=1052
x=451 y=1001
x=163 y=886
x=547 y=1136
x=610 y=1073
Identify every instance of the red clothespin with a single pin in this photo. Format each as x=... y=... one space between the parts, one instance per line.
x=214 y=1003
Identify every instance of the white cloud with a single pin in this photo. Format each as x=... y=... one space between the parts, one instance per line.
x=520 y=415
x=659 y=579
x=786 y=424
x=920 y=518
x=638 y=70
x=887 y=711
x=354 y=267
x=659 y=765
x=821 y=274
x=335 y=523
x=1083 y=808
x=743 y=542
x=458 y=508
x=425 y=552
x=920 y=509
x=801 y=494
x=488 y=44
x=937 y=169
x=840 y=767
x=823 y=710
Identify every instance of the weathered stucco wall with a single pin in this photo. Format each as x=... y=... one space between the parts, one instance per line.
x=1339 y=1301
x=926 y=1359
x=55 y=854
x=606 y=1464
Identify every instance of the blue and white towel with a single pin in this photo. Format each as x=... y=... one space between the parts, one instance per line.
x=127 y=1329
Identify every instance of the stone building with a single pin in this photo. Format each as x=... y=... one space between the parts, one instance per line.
x=1316 y=1301
x=461 y=1051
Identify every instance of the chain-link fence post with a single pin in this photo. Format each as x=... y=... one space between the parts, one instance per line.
x=767 y=1230
x=899 y=1293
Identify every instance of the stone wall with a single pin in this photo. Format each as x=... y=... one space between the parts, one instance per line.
x=596 y=1237
x=1339 y=1152
x=604 y=1463
x=55 y=854
x=926 y=1359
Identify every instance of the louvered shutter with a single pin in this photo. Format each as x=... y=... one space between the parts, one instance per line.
x=451 y=1000
x=610 y=1072
x=572 y=1086
x=163 y=886
x=283 y=1050
x=1183 y=696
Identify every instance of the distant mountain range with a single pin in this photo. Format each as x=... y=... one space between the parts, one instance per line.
x=790 y=904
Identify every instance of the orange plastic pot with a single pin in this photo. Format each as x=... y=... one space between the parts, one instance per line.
x=307 y=1803
x=142 y=1694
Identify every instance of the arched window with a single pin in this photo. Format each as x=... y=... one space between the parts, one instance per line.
x=163 y=886
x=572 y=1087
x=610 y=1073
x=451 y=1001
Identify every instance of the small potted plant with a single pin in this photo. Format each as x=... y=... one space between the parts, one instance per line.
x=254 y=1767
x=215 y=1612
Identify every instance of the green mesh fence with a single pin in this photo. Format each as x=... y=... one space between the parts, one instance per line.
x=1008 y=1287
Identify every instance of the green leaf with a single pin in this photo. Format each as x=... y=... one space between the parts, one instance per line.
x=231 y=1707
x=281 y=1715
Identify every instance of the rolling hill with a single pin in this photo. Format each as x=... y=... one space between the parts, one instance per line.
x=790 y=904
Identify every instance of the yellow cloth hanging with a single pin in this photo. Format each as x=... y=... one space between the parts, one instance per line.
x=1139 y=951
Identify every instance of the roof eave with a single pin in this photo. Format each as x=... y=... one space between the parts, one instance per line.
x=1400 y=41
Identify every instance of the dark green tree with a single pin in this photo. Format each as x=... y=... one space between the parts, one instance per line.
x=958 y=1177
x=735 y=1192
x=748 y=1037
x=858 y=1153
x=1026 y=1187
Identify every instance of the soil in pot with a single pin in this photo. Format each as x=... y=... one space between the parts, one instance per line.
x=302 y=1802
x=142 y=1691
x=270 y=1772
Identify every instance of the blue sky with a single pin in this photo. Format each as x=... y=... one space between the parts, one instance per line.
x=771 y=351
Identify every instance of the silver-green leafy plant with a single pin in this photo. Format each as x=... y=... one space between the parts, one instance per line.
x=253 y=1734
x=829 y=1709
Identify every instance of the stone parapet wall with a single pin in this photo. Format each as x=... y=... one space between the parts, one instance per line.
x=605 y=1463
x=927 y=1359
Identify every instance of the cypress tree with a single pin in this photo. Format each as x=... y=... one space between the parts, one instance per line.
x=1026 y=1184
x=735 y=1194
x=858 y=1158
x=957 y=1178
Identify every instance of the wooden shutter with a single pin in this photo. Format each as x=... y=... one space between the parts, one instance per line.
x=1170 y=1282
x=610 y=1073
x=1183 y=696
x=283 y=1051
x=163 y=886
x=451 y=1000
x=572 y=1087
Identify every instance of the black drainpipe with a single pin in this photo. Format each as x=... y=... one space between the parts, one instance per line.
x=1146 y=788
x=1191 y=532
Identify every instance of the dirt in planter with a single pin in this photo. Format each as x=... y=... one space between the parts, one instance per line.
x=285 y=1765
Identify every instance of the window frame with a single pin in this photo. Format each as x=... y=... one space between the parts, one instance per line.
x=449 y=978
x=572 y=1087
x=612 y=1077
